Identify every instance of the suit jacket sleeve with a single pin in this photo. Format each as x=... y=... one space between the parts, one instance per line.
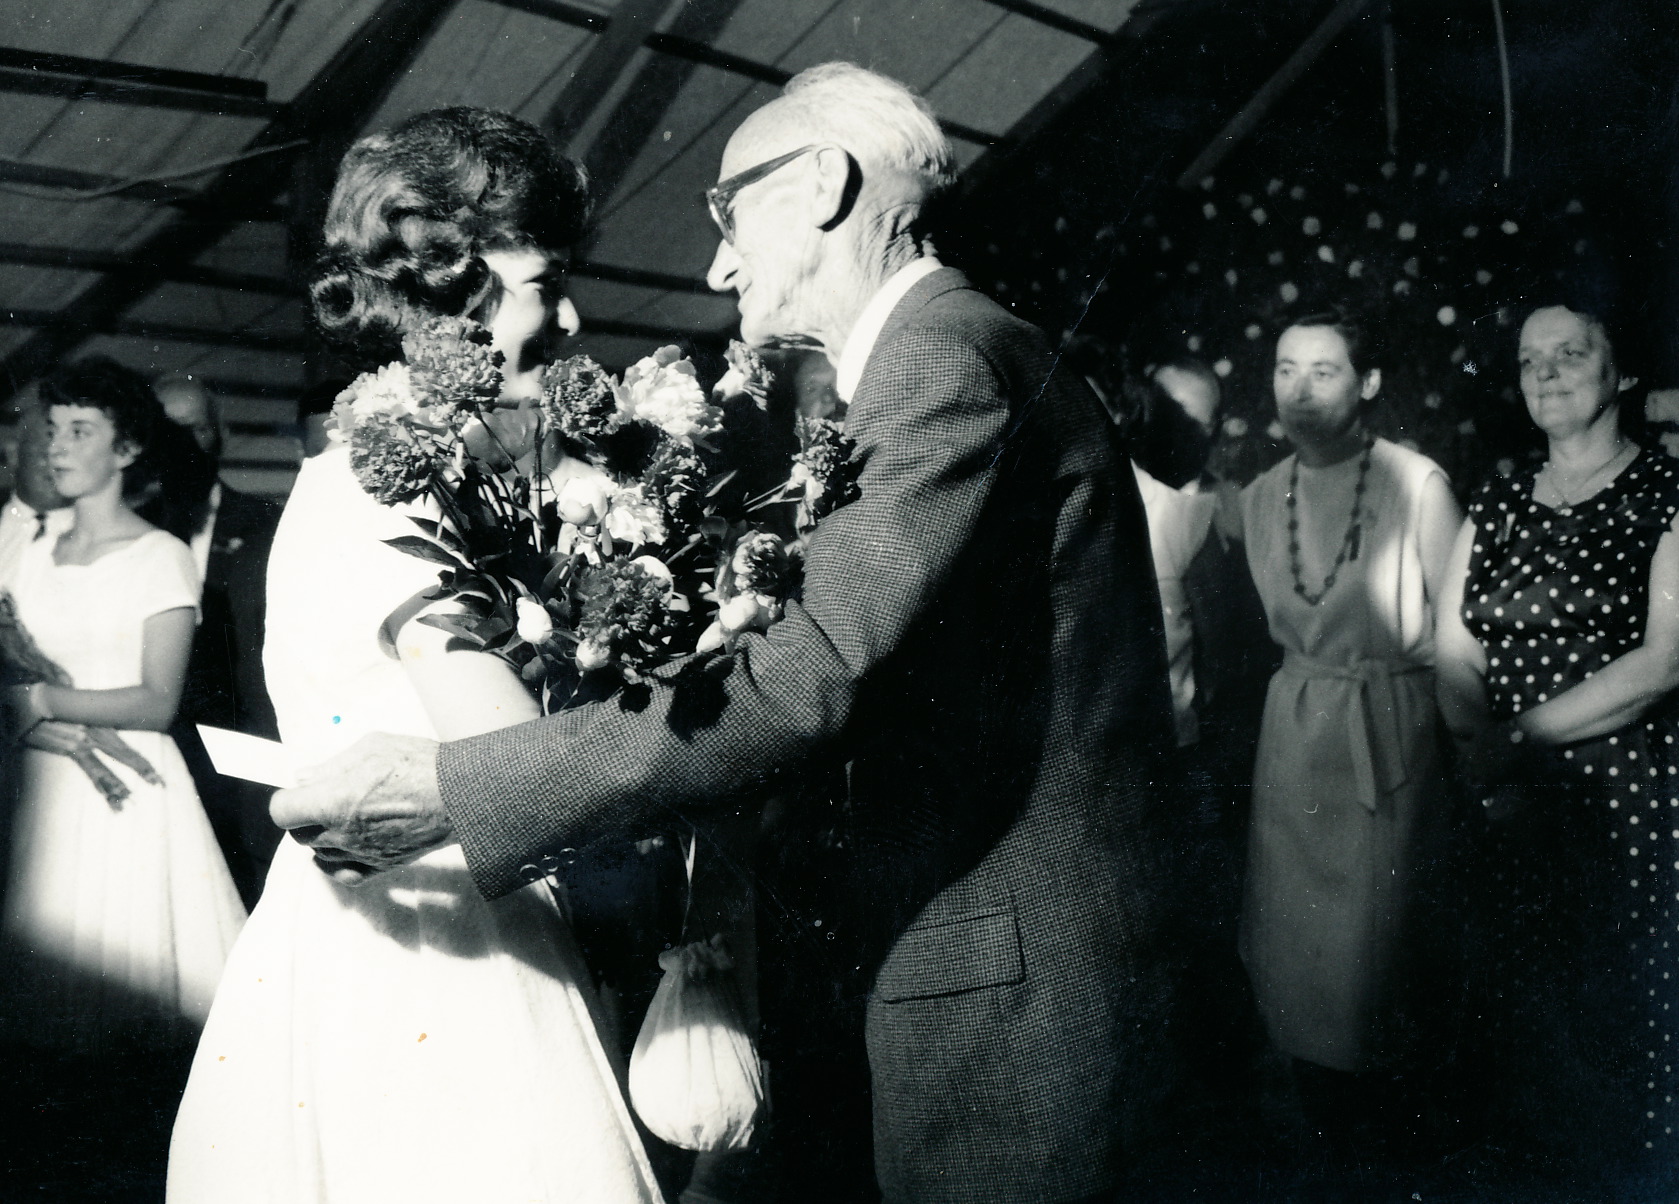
x=929 y=421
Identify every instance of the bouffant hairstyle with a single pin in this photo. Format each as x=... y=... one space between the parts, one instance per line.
x=170 y=480
x=414 y=207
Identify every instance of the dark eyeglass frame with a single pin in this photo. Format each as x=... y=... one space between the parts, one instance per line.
x=719 y=198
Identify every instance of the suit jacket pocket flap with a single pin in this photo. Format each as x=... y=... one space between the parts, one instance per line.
x=961 y=954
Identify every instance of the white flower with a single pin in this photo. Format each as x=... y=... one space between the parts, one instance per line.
x=593 y=655
x=658 y=570
x=583 y=500
x=534 y=623
x=632 y=519
x=664 y=390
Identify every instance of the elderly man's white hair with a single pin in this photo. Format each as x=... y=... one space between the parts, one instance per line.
x=876 y=118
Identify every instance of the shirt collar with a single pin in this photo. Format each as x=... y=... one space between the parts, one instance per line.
x=860 y=344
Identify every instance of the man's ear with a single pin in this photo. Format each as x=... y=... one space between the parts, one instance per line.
x=838 y=179
x=1372 y=384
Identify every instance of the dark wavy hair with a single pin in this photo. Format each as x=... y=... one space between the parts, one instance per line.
x=1364 y=347
x=414 y=207
x=169 y=482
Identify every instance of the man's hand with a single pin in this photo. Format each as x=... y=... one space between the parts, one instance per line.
x=371 y=808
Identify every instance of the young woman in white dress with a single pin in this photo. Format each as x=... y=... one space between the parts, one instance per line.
x=119 y=914
x=406 y=1040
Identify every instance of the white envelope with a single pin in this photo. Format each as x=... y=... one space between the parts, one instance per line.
x=236 y=755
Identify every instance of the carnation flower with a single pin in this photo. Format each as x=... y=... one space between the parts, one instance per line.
x=625 y=615
x=747 y=374
x=761 y=565
x=633 y=518
x=578 y=398
x=451 y=360
x=674 y=478
x=392 y=463
x=663 y=389
x=823 y=470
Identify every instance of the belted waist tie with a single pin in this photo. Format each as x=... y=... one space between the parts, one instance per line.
x=1373 y=730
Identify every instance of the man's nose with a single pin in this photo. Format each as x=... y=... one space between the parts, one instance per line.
x=724 y=265
x=566 y=318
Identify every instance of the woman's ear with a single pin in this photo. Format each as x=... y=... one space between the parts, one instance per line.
x=1372 y=384
x=1627 y=382
x=838 y=179
x=125 y=452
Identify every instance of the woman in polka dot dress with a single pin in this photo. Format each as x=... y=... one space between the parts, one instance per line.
x=1557 y=658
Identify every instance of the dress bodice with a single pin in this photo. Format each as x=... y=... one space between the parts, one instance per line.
x=90 y=619
x=1555 y=595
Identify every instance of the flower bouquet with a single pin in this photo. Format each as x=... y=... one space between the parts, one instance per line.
x=601 y=553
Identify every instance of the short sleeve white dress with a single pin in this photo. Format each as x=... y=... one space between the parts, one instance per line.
x=404 y=1040
x=118 y=919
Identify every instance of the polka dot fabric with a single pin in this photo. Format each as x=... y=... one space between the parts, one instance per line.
x=1581 y=917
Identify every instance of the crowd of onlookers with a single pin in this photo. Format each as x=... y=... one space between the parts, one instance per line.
x=1425 y=729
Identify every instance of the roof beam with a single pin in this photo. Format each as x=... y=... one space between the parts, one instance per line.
x=696 y=51
x=1054 y=20
x=345 y=93
x=663 y=281
x=1271 y=91
x=649 y=96
x=50 y=321
x=188 y=201
x=75 y=259
x=77 y=78
x=632 y=22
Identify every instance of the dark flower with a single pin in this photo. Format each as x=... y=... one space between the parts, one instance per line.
x=761 y=564
x=451 y=360
x=389 y=460
x=824 y=469
x=578 y=399
x=624 y=614
x=747 y=373
x=675 y=478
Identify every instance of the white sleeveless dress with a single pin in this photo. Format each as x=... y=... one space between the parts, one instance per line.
x=404 y=1040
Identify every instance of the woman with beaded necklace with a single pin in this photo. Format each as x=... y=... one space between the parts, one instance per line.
x=1347 y=540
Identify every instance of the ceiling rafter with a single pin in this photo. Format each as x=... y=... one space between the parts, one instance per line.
x=347 y=91
x=76 y=78
x=695 y=51
x=48 y=321
x=184 y=199
x=1055 y=20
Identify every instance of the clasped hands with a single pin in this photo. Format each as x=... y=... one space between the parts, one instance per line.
x=373 y=807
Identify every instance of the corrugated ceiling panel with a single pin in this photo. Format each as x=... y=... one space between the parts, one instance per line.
x=154 y=357
x=487 y=55
x=105 y=225
x=1006 y=73
x=258 y=247
x=219 y=309
x=41 y=288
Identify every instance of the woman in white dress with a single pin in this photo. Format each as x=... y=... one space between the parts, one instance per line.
x=119 y=914
x=406 y=1040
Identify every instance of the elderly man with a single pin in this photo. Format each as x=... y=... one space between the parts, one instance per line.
x=224 y=686
x=35 y=509
x=978 y=645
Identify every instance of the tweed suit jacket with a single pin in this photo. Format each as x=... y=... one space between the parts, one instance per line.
x=979 y=638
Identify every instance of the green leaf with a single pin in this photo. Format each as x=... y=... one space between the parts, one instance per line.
x=456 y=625
x=426 y=550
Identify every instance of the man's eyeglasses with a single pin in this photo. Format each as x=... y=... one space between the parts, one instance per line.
x=720 y=198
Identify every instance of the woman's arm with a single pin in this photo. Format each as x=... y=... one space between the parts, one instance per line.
x=465 y=693
x=1460 y=663
x=150 y=706
x=1626 y=687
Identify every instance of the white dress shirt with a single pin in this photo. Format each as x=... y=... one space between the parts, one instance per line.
x=20 y=524
x=848 y=370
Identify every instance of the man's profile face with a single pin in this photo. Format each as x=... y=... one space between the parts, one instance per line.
x=773 y=251
x=31 y=477
x=188 y=404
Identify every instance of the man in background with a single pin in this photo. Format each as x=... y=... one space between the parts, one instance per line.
x=224 y=686
x=35 y=508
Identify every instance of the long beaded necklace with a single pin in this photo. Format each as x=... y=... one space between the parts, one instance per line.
x=1349 y=541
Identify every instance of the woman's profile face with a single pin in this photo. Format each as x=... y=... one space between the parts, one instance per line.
x=1568 y=372
x=528 y=314
x=83 y=452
